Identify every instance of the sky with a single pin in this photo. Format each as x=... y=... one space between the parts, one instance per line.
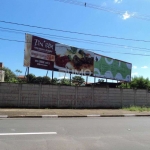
x=120 y=19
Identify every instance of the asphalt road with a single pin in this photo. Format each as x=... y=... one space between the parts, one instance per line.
x=124 y=133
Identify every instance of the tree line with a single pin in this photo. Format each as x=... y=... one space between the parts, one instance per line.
x=10 y=76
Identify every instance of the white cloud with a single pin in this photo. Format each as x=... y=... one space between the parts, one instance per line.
x=127 y=15
x=117 y=1
x=144 y=67
x=104 y=4
x=134 y=67
x=134 y=73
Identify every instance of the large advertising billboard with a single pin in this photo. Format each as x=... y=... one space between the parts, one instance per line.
x=46 y=54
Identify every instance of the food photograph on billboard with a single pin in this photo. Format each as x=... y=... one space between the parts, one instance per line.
x=50 y=55
x=73 y=60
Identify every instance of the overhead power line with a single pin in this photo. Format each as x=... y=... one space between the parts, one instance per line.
x=111 y=10
x=77 y=39
x=74 y=32
x=83 y=48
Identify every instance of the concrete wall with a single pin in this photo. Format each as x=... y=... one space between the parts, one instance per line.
x=56 y=96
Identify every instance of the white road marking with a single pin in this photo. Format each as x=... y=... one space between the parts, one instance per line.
x=49 y=116
x=129 y=115
x=3 y=116
x=31 y=133
x=93 y=115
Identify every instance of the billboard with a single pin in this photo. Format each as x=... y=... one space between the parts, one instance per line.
x=46 y=54
x=105 y=67
x=39 y=53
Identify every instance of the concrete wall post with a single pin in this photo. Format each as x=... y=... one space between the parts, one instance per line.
x=39 y=96
x=19 y=94
x=135 y=97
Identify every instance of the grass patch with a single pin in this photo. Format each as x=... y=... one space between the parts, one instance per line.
x=137 y=108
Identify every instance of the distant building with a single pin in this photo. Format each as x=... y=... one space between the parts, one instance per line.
x=22 y=77
x=104 y=84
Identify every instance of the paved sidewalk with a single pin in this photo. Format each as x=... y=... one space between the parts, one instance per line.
x=12 y=113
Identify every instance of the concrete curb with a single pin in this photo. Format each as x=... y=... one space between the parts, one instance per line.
x=3 y=116
x=75 y=116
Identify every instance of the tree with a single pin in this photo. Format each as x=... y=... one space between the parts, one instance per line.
x=78 y=80
x=54 y=81
x=18 y=71
x=9 y=75
x=38 y=79
x=46 y=80
x=140 y=83
x=65 y=81
x=31 y=78
x=137 y=82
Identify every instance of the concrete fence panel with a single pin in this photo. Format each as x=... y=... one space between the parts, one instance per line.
x=29 y=95
x=9 y=95
x=128 y=97
x=58 y=96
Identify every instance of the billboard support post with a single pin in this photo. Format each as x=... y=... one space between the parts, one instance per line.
x=47 y=73
x=70 y=78
x=106 y=83
x=86 y=79
x=28 y=73
x=52 y=75
x=65 y=76
x=94 y=79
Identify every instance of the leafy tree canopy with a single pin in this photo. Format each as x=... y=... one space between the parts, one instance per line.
x=46 y=80
x=31 y=78
x=138 y=82
x=9 y=75
x=65 y=81
x=55 y=81
x=78 y=80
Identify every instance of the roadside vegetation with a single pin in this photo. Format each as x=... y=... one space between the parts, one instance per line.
x=137 y=83
x=12 y=77
x=137 y=108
